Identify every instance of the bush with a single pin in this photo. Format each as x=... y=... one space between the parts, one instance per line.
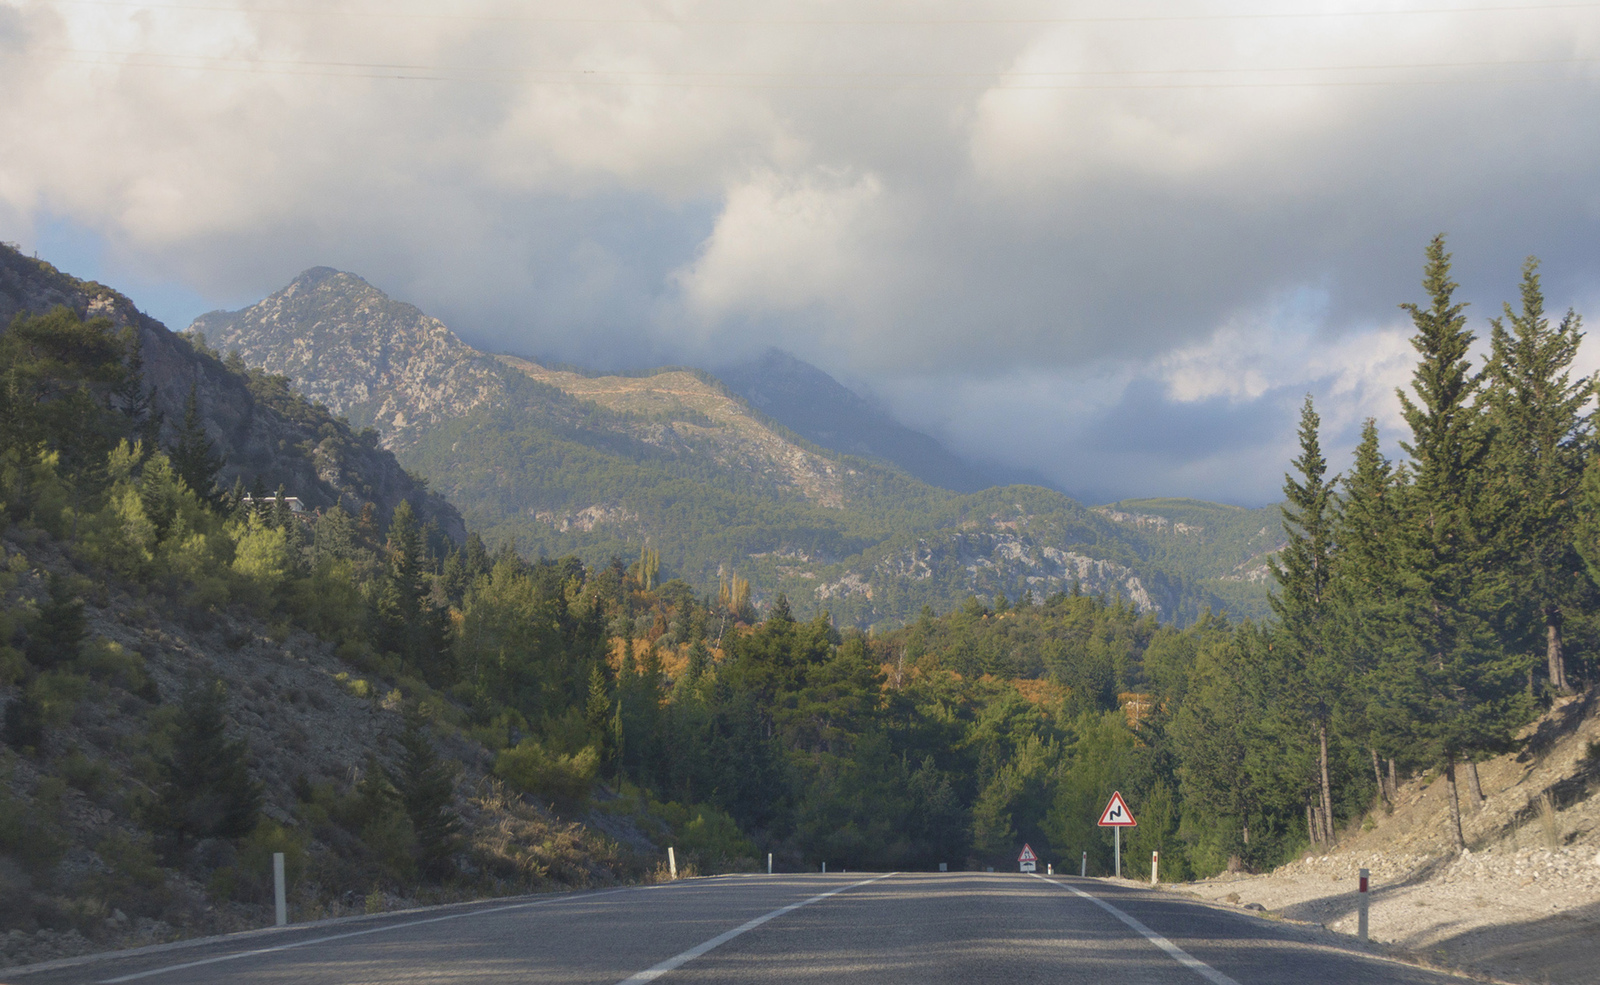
x=530 y=768
x=28 y=835
x=249 y=879
x=23 y=728
x=133 y=879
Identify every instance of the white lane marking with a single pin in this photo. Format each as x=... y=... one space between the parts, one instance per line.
x=677 y=961
x=255 y=952
x=1175 y=952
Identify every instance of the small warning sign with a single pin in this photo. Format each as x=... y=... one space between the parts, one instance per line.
x=1027 y=861
x=1116 y=814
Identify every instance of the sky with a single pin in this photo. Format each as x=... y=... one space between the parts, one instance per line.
x=1114 y=243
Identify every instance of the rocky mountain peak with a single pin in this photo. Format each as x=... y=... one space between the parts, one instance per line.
x=347 y=345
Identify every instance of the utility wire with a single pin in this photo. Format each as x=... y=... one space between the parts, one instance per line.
x=983 y=82
x=666 y=21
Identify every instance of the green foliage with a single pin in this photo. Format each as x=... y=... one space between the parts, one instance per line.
x=530 y=768
x=28 y=834
x=57 y=635
x=133 y=879
x=23 y=729
x=425 y=786
x=206 y=790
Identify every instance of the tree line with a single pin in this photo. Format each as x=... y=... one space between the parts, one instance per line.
x=1425 y=608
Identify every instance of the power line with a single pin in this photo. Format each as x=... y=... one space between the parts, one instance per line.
x=991 y=81
x=645 y=76
x=838 y=22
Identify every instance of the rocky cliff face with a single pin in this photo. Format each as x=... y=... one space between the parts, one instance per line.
x=345 y=344
x=262 y=429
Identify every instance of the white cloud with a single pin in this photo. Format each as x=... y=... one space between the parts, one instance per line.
x=1062 y=192
x=782 y=245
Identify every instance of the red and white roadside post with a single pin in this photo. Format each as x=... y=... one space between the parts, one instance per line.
x=1155 y=863
x=1361 y=907
x=1116 y=816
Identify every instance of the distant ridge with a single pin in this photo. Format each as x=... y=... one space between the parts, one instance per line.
x=685 y=464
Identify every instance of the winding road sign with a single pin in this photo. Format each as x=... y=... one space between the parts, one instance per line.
x=1116 y=814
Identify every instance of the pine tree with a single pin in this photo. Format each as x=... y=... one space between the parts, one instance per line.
x=58 y=636
x=1461 y=684
x=206 y=790
x=1366 y=593
x=1542 y=434
x=410 y=625
x=597 y=713
x=699 y=660
x=192 y=456
x=426 y=785
x=1313 y=675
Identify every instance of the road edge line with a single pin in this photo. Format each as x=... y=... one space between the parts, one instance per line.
x=1173 y=951
x=256 y=952
x=679 y=960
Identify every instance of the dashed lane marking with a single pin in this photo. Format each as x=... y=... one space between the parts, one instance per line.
x=679 y=960
x=1175 y=952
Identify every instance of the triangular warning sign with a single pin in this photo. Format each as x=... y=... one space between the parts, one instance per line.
x=1027 y=854
x=1116 y=814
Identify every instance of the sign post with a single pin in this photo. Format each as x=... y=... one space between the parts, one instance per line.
x=1116 y=816
x=1027 y=861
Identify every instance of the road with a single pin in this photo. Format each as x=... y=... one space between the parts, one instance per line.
x=915 y=929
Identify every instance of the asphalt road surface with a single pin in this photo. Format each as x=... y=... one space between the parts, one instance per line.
x=915 y=929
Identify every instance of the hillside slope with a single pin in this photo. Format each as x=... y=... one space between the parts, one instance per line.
x=563 y=462
x=815 y=405
x=1522 y=904
x=1226 y=549
x=264 y=433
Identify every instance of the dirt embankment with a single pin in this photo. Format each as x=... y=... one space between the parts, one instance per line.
x=1522 y=904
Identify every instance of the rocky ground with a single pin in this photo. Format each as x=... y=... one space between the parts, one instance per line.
x=308 y=718
x=1522 y=904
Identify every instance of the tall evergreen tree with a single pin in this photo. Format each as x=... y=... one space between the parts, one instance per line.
x=1542 y=432
x=1450 y=666
x=1313 y=674
x=192 y=455
x=426 y=785
x=1366 y=594
x=410 y=625
x=206 y=789
x=58 y=635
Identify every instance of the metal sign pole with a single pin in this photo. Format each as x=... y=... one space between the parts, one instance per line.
x=1118 y=838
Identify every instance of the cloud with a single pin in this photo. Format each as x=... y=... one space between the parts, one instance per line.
x=1071 y=212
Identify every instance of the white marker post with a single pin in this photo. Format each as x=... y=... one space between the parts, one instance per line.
x=824 y=868
x=1361 y=909
x=279 y=893
x=1084 y=868
x=672 y=862
x=1116 y=816
x=1049 y=868
x=1155 y=863
x=769 y=863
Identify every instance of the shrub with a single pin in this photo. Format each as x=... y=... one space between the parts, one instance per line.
x=530 y=768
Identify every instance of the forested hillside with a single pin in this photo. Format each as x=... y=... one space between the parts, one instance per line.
x=1226 y=549
x=561 y=462
x=164 y=639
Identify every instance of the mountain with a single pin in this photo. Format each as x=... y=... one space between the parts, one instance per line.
x=562 y=462
x=814 y=405
x=263 y=431
x=1227 y=549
